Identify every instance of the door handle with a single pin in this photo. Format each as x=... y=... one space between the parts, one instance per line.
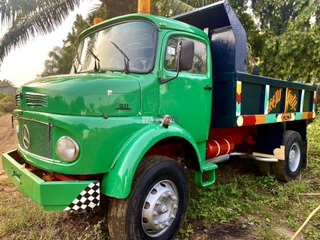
x=208 y=88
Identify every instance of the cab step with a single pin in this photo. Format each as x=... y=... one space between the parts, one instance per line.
x=207 y=175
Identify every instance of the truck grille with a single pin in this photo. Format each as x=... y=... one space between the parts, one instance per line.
x=18 y=99
x=40 y=138
x=36 y=99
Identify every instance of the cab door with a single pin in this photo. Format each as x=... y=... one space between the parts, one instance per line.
x=188 y=97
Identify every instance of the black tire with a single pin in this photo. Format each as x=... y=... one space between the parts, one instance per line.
x=157 y=204
x=265 y=168
x=290 y=168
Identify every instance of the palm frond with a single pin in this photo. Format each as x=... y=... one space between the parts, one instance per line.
x=182 y=6
x=27 y=18
x=179 y=7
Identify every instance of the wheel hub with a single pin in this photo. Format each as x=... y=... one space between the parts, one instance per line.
x=294 y=157
x=160 y=208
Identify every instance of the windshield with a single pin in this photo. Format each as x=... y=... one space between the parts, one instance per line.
x=127 y=47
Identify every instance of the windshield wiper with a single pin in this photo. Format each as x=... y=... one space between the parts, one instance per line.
x=126 y=58
x=96 y=66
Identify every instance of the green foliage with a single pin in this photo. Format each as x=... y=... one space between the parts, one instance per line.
x=283 y=40
x=6 y=82
x=7 y=103
x=313 y=136
x=291 y=44
x=117 y=8
x=294 y=53
x=61 y=59
x=28 y=18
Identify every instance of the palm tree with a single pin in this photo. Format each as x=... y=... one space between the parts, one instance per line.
x=60 y=59
x=27 y=18
x=6 y=82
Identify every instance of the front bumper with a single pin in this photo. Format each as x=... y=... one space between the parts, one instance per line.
x=52 y=195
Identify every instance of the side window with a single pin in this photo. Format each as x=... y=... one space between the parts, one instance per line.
x=199 y=60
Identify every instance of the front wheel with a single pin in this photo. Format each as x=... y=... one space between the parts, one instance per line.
x=290 y=168
x=157 y=204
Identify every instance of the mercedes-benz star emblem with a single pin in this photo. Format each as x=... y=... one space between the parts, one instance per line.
x=26 y=137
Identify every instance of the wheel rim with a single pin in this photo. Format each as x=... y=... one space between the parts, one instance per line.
x=160 y=208
x=294 y=157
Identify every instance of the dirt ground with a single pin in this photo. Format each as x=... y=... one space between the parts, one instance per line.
x=8 y=136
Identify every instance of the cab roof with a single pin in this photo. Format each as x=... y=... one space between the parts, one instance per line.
x=160 y=23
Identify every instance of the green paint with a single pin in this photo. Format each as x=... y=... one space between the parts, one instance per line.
x=50 y=195
x=113 y=115
x=271 y=118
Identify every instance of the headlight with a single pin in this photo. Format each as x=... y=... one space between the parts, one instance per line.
x=67 y=149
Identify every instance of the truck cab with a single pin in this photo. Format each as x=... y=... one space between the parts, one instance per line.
x=147 y=98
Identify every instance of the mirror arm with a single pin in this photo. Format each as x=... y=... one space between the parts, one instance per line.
x=165 y=80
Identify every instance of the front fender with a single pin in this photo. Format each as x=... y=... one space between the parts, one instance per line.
x=117 y=183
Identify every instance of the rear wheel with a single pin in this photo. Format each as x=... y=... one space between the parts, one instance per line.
x=265 y=168
x=290 y=168
x=157 y=204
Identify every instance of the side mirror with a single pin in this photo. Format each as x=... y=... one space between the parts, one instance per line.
x=186 y=55
x=184 y=58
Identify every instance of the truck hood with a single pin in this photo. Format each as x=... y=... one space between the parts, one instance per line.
x=113 y=94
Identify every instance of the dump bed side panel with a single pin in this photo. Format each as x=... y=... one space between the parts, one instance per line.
x=242 y=99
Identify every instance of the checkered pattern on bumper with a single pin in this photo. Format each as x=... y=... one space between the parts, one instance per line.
x=89 y=198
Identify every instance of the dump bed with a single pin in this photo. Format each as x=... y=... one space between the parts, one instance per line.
x=240 y=98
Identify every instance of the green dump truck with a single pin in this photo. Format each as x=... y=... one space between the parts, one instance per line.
x=148 y=98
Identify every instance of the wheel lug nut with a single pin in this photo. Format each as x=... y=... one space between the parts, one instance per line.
x=173 y=216
x=156 y=222
x=174 y=198
x=155 y=213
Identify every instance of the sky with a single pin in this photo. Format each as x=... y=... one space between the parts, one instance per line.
x=24 y=63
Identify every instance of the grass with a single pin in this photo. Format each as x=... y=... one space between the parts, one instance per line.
x=259 y=204
x=241 y=205
x=21 y=218
x=7 y=103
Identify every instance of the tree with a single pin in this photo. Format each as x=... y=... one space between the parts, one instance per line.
x=7 y=103
x=281 y=37
x=280 y=33
x=52 y=66
x=6 y=82
x=60 y=59
x=291 y=29
x=27 y=18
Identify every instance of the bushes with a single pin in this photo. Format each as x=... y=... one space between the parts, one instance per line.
x=7 y=103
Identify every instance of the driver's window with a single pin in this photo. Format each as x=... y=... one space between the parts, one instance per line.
x=199 y=60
